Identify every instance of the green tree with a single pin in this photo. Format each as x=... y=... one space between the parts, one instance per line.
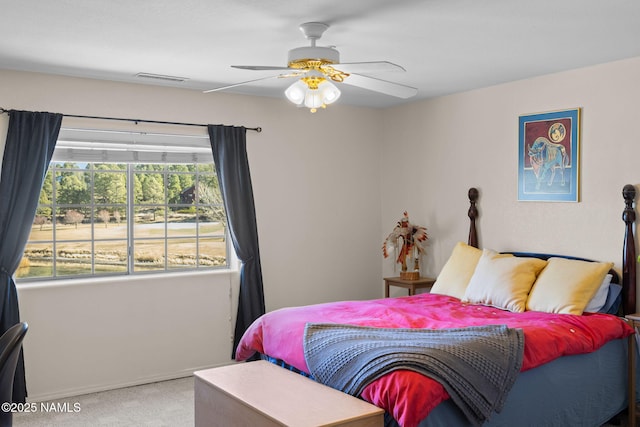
x=174 y=188
x=46 y=195
x=109 y=187
x=138 y=194
x=153 y=188
x=72 y=188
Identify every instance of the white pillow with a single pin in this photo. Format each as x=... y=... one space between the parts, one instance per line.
x=600 y=298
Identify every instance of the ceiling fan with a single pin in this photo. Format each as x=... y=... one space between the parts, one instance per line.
x=317 y=67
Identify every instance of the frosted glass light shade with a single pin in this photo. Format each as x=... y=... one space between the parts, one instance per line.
x=330 y=93
x=296 y=92
x=313 y=99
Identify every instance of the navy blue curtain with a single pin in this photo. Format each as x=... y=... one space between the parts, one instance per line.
x=229 y=145
x=31 y=138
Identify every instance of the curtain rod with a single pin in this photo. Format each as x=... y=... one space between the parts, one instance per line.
x=256 y=129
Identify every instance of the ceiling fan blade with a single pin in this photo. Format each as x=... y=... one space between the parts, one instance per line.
x=368 y=67
x=239 y=84
x=382 y=86
x=260 y=67
x=296 y=73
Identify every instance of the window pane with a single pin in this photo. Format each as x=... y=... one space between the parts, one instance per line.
x=213 y=213
x=42 y=228
x=209 y=190
x=37 y=261
x=181 y=222
x=181 y=188
x=108 y=224
x=149 y=222
x=73 y=224
x=111 y=256
x=73 y=187
x=182 y=253
x=148 y=255
x=213 y=252
x=110 y=187
x=149 y=188
x=210 y=222
x=73 y=258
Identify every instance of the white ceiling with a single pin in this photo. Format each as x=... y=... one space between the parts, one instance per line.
x=446 y=46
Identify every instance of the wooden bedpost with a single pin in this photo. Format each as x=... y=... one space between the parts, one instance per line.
x=629 y=252
x=473 y=214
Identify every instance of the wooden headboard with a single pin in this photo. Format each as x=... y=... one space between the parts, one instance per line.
x=628 y=281
x=473 y=214
x=629 y=251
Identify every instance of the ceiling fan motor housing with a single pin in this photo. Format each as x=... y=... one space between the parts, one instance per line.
x=325 y=54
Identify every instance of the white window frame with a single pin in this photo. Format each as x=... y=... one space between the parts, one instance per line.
x=79 y=145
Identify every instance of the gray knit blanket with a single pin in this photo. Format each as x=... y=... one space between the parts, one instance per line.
x=476 y=365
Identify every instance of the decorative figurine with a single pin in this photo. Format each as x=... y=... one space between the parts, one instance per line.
x=407 y=242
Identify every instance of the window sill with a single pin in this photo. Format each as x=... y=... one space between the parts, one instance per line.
x=88 y=281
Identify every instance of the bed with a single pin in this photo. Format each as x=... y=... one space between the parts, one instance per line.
x=497 y=342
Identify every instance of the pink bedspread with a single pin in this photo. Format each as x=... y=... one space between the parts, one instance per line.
x=407 y=395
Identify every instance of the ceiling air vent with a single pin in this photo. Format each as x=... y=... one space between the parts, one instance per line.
x=161 y=77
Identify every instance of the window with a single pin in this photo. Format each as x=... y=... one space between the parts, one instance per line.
x=121 y=215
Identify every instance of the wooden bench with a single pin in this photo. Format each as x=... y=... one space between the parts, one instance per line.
x=261 y=394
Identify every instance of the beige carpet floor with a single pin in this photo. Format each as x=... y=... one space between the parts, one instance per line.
x=161 y=404
x=166 y=403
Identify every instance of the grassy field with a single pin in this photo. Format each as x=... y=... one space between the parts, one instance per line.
x=74 y=251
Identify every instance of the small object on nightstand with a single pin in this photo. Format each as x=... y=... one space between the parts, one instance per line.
x=634 y=321
x=411 y=285
x=406 y=241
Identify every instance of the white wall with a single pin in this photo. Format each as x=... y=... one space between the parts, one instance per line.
x=110 y=333
x=316 y=186
x=440 y=148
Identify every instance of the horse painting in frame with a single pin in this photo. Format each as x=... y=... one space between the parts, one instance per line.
x=548 y=156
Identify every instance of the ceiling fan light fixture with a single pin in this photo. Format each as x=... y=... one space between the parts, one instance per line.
x=296 y=92
x=313 y=93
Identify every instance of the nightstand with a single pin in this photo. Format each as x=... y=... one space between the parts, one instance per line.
x=412 y=285
x=634 y=321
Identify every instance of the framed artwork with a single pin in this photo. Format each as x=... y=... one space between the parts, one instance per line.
x=548 y=156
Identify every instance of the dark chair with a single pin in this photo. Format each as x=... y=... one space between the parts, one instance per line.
x=10 y=345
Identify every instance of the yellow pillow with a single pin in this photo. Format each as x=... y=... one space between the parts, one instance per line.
x=503 y=281
x=566 y=285
x=457 y=271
